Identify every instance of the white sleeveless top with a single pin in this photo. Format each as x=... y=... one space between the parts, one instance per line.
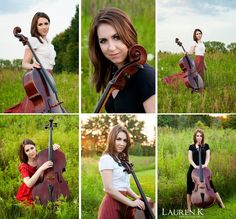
x=44 y=51
x=120 y=179
x=199 y=48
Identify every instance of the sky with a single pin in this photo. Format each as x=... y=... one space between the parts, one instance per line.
x=179 y=18
x=20 y=13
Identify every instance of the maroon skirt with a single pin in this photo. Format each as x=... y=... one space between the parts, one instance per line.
x=25 y=106
x=200 y=65
x=111 y=209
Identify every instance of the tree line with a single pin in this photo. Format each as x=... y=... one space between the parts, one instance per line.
x=94 y=133
x=66 y=46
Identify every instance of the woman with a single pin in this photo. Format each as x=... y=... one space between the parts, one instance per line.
x=111 y=36
x=193 y=157
x=115 y=180
x=29 y=171
x=198 y=48
x=43 y=49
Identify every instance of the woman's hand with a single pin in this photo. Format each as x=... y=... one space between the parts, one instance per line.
x=204 y=165
x=46 y=165
x=138 y=203
x=36 y=65
x=196 y=167
x=56 y=147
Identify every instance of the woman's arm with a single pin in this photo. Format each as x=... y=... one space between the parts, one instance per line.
x=26 y=62
x=190 y=158
x=208 y=156
x=132 y=194
x=114 y=193
x=192 y=49
x=149 y=104
x=30 y=181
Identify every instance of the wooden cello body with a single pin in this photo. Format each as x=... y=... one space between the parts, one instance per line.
x=189 y=75
x=203 y=196
x=131 y=212
x=52 y=185
x=39 y=85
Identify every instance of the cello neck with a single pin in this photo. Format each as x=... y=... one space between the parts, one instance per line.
x=200 y=164
x=104 y=97
x=147 y=205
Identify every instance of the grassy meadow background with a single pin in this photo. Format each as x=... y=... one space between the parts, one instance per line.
x=173 y=165
x=144 y=25
x=91 y=182
x=219 y=95
x=15 y=128
x=12 y=91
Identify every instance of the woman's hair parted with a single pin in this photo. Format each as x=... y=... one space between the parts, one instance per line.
x=195 y=136
x=121 y=22
x=194 y=34
x=22 y=154
x=111 y=140
x=34 y=30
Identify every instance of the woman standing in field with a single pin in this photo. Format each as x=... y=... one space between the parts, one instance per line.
x=116 y=182
x=198 y=48
x=193 y=157
x=29 y=171
x=111 y=36
x=44 y=51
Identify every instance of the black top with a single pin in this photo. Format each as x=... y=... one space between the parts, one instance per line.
x=139 y=88
x=194 y=150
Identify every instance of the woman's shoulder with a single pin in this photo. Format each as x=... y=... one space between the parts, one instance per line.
x=206 y=146
x=107 y=157
x=145 y=75
x=106 y=162
x=191 y=147
x=147 y=69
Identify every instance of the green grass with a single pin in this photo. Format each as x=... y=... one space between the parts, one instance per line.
x=145 y=27
x=15 y=128
x=12 y=91
x=173 y=166
x=219 y=95
x=92 y=188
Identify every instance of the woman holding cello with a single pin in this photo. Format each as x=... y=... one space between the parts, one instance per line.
x=193 y=156
x=116 y=182
x=111 y=36
x=29 y=171
x=44 y=51
x=198 y=48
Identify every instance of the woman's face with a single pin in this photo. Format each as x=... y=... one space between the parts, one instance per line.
x=43 y=26
x=121 y=142
x=111 y=45
x=198 y=35
x=30 y=151
x=199 y=137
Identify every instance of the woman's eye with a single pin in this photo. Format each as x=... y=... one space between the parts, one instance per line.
x=116 y=37
x=31 y=148
x=101 y=41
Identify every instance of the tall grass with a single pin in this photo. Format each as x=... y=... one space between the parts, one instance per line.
x=12 y=91
x=92 y=188
x=15 y=128
x=173 y=165
x=142 y=13
x=219 y=95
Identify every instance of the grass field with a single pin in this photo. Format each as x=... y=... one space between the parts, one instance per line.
x=219 y=95
x=12 y=91
x=144 y=25
x=15 y=128
x=92 y=188
x=173 y=166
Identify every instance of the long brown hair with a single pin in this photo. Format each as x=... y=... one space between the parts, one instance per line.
x=194 y=34
x=34 y=30
x=22 y=154
x=195 y=136
x=111 y=140
x=126 y=32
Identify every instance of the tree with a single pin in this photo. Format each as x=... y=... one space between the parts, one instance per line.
x=95 y=132
x=66 y=46
x=215 y=46
x=232 y=47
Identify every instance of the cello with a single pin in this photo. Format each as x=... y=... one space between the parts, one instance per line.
x=51 y=185
x=189 y=75
x=131 y=212
x=137 y=58
x=203 y=195
x=39 y=85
